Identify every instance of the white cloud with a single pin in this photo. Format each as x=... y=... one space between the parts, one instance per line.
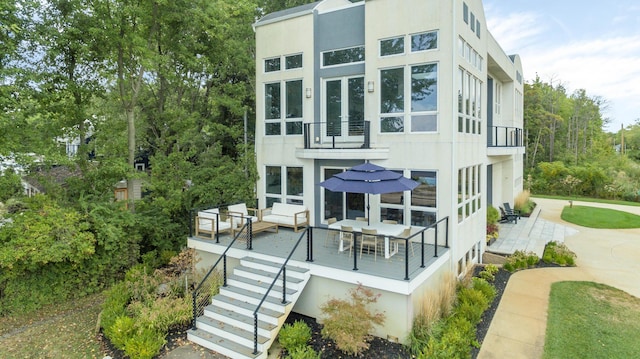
x=604 y=66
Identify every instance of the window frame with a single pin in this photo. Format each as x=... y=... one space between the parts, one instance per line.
x=437 y=41
x=359 y=61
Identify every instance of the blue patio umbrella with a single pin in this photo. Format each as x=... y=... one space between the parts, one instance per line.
x=370 y=179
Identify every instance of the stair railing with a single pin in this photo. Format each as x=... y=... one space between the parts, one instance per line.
x=283 y=270
x=198 y=306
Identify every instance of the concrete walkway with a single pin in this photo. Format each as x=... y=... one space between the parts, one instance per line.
x=605 y=256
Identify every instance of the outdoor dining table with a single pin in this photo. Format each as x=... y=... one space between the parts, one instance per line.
x=385 y=229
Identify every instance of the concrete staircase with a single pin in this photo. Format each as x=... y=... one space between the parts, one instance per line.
x=227 y=325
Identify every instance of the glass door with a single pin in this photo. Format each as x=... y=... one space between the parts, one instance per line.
x=340 y=204
x=344 y=108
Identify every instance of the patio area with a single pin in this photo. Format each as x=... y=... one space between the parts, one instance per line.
x=529 y=234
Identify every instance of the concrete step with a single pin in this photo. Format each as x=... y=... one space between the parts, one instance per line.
x=223 y=346
x=260 y=275
x=266 y=314
x=274 y=267
x=239 y=320
x=254 y=298
x=230 y=332
x=258 y=286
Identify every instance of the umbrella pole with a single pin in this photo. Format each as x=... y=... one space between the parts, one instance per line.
x=368 y=211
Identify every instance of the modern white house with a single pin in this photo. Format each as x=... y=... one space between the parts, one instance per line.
x=416 y=86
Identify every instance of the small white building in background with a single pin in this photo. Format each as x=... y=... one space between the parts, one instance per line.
x=416 y=86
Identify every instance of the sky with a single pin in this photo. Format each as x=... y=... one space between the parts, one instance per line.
x=591 y=45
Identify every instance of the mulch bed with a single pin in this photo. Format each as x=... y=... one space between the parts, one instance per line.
x=378 y=348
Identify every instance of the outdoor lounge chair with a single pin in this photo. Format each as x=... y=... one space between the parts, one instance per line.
x=508 y=217
x=239 y=212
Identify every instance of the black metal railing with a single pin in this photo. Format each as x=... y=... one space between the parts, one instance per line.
x=357 y=236
x=283 y=270
x=203 y=292
x=502 y=136
x=343 y=134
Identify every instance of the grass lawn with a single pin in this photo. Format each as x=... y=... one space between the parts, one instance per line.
x=591 y=320
x=66 y=330
x=588 y=199
x=593 y=217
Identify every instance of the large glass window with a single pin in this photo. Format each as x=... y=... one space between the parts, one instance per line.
x=424 y=97
x=293 y=61
x=273 y=180
x=271 y=65
x=424 y=198
x=392 y=99
x=424 y=41
x=469 y=191
x=294 y=107
x=393 y=46
x=294 y=181
x=344 y=56
x=293 y=185
x=272 y=101
x=342 y=205
x=272 y=109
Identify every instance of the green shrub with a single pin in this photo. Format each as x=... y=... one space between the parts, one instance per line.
x=455 y=342
x=559 y=253
x=294 y=336
x=493 y=215
x=115 y=303
x=145 y=344
x=304 y=352
x=349 y=322
x=521 y=260
x=485 y=288
x=489 y=272
x=165 y=313
x=121 y=331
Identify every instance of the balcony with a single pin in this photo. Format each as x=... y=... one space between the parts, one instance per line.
x=339 y=140
x=503 y=140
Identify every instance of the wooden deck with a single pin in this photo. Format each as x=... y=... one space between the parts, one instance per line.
x=324 y=252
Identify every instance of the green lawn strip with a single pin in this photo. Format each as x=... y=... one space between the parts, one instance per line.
x=594 y=217
x=587 y=199
x=65 y=331
x=591 y=320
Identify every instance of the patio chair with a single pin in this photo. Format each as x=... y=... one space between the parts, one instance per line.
x=332 y=234
x=346 y=235
x=508 y=217
x=361 y=219
x=510 y=211
x=390 y=221
x=369 y=238
x=403 y=239
x=240 y=213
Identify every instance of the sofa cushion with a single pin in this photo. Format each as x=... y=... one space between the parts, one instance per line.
x=288 y=210
x=235 y=210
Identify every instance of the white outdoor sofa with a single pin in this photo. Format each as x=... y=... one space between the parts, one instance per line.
x=288 y=215
x=206 y=223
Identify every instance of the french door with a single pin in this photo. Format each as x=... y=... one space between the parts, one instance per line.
x=343 y=113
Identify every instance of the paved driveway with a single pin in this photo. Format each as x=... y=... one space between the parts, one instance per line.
x=606 y=256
